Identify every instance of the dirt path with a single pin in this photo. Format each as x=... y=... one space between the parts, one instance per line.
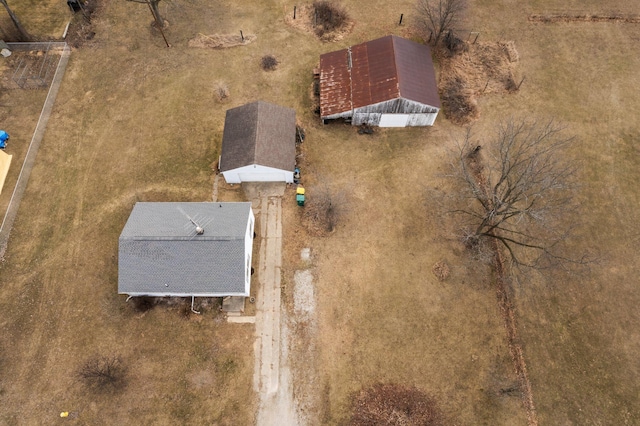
x=272 y=375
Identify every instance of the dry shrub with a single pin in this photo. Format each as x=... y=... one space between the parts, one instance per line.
x=329 y=17
x=323 y=210
x=269 y=62
x=221 y=91
x=458 y=102
x=393 y=404
x=441 y=270
x=481 y=68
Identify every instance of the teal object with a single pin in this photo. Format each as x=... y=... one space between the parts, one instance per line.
x=300 y=199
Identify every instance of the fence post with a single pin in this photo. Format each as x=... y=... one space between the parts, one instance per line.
x=401 y=15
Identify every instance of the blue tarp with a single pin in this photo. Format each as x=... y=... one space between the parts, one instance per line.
x=4 y=137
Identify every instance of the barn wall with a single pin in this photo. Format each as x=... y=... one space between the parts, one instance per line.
x=371 y=119
x=397 y=106
x=417 y=114
x=257 y=173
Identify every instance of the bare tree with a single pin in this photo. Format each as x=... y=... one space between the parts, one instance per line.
x=155 y=11
x=517 y=191
x=22 y=32
x=103 y=372
x=437 y=18
x=325 y=208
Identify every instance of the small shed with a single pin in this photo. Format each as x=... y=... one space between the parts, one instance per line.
x=387 y=82
x=259 y=144
x=186 y=250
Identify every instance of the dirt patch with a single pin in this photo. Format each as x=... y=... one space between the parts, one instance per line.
x=306 y=20
x=480 y=68
x=221 y=41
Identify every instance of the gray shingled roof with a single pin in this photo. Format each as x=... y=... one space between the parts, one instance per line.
x=159 y=252
x=259 y=133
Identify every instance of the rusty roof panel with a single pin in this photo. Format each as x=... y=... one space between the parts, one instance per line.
x=383 y=79
x=360 y=87
x=381 y=70
x=335 y=86
x=416 y=74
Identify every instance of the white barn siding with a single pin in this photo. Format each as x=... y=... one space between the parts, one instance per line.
x=257 y=173
x=393 y=113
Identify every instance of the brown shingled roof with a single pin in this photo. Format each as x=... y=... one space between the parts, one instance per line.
x=259 y=133
x=387 y=68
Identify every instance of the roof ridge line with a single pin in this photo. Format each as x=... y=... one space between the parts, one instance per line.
x=255 y=132
x=395 y=63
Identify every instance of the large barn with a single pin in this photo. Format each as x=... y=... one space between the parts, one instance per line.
x=259 y=144
x=387 y=82
x=186 y=250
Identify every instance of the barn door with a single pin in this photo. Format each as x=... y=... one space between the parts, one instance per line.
x=394 y=120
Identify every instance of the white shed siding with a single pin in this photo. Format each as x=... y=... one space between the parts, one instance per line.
x=257 y=173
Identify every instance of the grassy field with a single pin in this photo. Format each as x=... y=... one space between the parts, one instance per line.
x=135 y=121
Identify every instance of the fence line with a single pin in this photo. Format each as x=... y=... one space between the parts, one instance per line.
x=38 y=134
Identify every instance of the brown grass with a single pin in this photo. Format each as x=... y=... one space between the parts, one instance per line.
x=147 y=127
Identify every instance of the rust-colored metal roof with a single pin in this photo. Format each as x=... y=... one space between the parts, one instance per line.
x=335 y=87
x=376 y=71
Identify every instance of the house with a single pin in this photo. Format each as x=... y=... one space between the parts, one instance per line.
x=259 y=144
x=186 y=250
x=388 y=82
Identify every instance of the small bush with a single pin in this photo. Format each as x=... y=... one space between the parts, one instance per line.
x=269 y=62
x=222 y=91
x=441 y=270
x=328 y=17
